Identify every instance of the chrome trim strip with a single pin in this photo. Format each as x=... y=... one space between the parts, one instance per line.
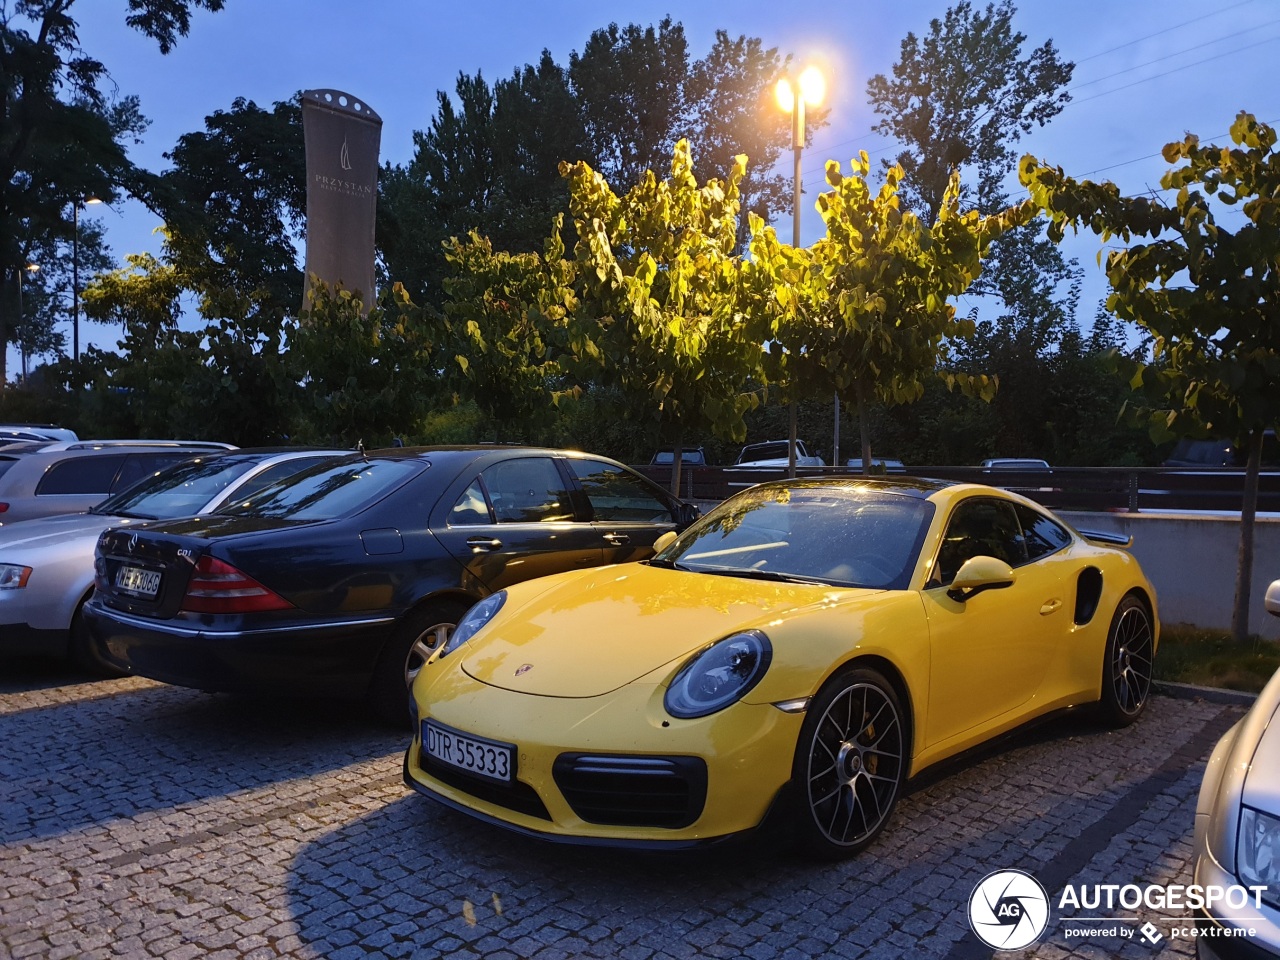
x=167 y=627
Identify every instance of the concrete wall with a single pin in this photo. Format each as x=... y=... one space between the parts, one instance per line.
x=1191 y=561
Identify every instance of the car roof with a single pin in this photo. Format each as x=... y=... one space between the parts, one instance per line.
x=262 y=453
x=464 y=451
x=61 y=445
x=919 y=487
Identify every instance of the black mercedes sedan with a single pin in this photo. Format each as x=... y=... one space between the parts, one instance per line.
x=340 y=580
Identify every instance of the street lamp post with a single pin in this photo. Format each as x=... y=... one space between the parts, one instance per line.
x=809 y=89
x=29 y=268
x=75 y=275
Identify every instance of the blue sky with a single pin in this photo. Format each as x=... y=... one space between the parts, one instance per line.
x=1147 y=72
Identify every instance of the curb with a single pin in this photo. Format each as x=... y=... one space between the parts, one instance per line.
x=1189 y=691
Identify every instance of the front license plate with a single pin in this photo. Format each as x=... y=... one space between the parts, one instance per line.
x=135 y=580
x=485 y=758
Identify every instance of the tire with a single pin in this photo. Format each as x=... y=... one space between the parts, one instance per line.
x=83 y=653
x=850 y=763
x=1127 y=664
x=415 y=637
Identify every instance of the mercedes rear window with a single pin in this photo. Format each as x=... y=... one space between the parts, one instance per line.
x=326 y=492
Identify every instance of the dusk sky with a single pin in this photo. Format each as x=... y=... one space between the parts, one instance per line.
x=1146 y=73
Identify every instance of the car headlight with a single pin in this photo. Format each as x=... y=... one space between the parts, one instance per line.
x=719 y=675
x=13 y=577
x=1258 y=853
x=472 y=621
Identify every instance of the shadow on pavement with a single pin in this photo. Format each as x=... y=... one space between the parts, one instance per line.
x=126 y=752
x=414 y=879
x=22 y=674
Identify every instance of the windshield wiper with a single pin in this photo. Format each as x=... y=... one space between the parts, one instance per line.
x=749 y=574
x=665 y=564
x=132 y=516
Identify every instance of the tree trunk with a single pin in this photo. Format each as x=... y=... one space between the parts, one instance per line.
x=864 y=431
x=791 y=446
x=835 y=435
x=1244 y=566
x=4 y=328
x=677 y=462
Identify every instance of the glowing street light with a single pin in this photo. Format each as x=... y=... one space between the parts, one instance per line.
x=808 y=90
x=811 y=87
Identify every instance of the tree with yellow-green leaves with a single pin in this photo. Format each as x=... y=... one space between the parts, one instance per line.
x=866 y=310
x=505 y=320
x=1208 y=293
x=655 y=310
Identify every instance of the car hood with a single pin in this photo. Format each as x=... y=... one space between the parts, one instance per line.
x=587 y=633
x=1262 y=782
x=54 y=533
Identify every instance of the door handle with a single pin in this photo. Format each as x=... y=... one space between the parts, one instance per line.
x=1050 y=606
x=483 y=544
x=617 y=539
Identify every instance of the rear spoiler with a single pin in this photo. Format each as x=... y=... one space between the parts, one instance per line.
x=1110 y=539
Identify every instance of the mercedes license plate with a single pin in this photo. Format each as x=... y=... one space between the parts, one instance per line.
x=135 y=580
x=485 y=758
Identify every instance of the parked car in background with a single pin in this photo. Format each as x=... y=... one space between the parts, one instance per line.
x=39 y=431
x=805 y=648
x=1202 y=453
x=1018 y=464
x=44 y=479
x=1221 y=453
x=46 y=564
x=694 y=456
x=775 y=453
x=1237 y=833
x=881 y=465
x=21 y=438
x=341 y=580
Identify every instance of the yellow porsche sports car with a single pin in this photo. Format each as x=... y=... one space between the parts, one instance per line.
x=804 y=648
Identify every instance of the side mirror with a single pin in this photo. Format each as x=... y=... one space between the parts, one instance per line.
x=666 y=540
x=685 y=514
x=1272 y=601
x=978 y=574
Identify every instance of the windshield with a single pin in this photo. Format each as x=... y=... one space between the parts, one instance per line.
x=844 y=534
x=326 y=492
x=179 y=491
x=767 y=451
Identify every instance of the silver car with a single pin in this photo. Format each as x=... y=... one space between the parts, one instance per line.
x=46 y=478
x=1237 y=836
x=46 y=565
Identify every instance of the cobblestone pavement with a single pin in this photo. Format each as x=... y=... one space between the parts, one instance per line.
x=143 y=820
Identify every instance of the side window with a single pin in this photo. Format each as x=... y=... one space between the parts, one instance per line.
x=471 y=507
x=527 y=490
x=618 y=495
x=980 y=528
x=1040 y=534
x=139 y=465
x=80 y=475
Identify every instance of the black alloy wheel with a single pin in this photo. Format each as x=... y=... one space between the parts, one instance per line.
x=1127 y=668
x=416 y=637
x=850 y=763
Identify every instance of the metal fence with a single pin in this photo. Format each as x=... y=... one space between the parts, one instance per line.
x=1130 y=489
